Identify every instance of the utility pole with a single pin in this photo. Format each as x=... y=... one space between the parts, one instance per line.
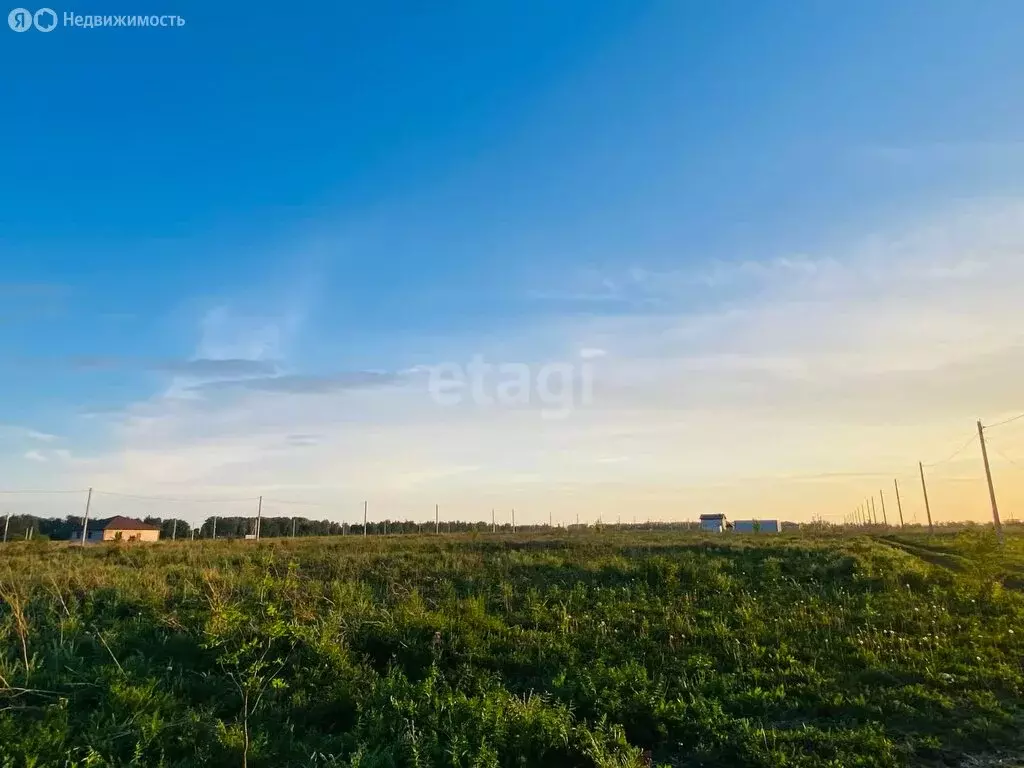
x=513 y=519
x=927 y=507
x=214 y=527
x=259 y=518
x=7 y=522
x=493 y=528
x=578 y=519
x=85 y=520
x=549 y=519
x=899 y=504
x=874 y=515
x=437 y=520
x=885 y=518
x=991 y=489
x=293 y=527
x=174 y=529
x=364 y=518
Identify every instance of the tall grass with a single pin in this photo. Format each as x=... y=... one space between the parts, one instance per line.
x=548 y=650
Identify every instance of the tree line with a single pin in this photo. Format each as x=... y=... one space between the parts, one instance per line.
x=22 y=526
x=18 y=527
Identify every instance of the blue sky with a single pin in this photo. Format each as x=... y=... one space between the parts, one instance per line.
x=381 y=187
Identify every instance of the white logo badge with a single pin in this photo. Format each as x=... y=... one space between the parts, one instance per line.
x=45 y=19
x=20 y=20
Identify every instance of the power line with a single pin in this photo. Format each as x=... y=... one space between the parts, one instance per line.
x=171 y=498
x=1005 y=421
x=820 y=476
x=1004 y=456
x=35 y=490
x=955 y=453
x=300 y=503
x=826 y=475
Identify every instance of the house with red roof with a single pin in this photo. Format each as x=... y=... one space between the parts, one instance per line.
x=118 y=529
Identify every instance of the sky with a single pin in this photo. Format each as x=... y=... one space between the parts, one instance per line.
x=621 y=260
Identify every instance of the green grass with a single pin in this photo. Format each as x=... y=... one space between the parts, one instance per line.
x=548 y=650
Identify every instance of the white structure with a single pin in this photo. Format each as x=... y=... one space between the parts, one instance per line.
x=712 y=523
x=756 y=526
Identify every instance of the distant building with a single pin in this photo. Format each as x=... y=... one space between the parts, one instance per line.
x=713 y=523
x=118 y=529
x=755 y=526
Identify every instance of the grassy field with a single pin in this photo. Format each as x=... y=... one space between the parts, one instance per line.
x=593 y=649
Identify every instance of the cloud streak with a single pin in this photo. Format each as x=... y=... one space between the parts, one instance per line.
x=196 y=367
x=216 y=368
x=26 y=433
x=305 y=384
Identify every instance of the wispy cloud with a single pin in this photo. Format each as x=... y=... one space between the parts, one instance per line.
x=304 y=440
x=199 y=367
x=245 y=342
x=937 y=153
x=305 y=384
x=26 y=433
x=228 y=334
x=206 y=367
